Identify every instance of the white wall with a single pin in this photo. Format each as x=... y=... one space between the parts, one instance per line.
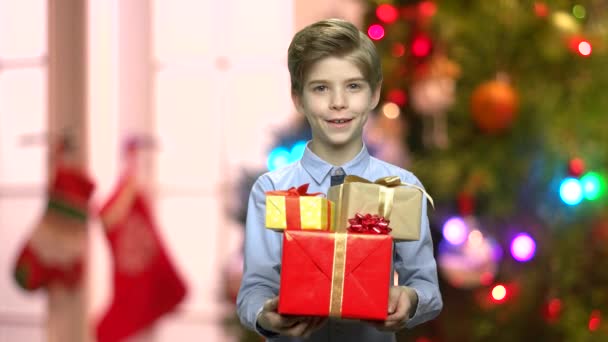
x=208 y=79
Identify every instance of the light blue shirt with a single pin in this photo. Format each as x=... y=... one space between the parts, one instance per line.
x=413 y=260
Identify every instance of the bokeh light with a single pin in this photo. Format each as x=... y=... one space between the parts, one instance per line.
x=427 y=8
x=475 y=239
x=584 y=48
x=579 y=11
x=554 y=309
x=397 y=96
x=571 y=191
x=297 y=151
x=278 y=157
x=576 y=167
x=595 y=320
x=523 y=247
x=455 y=231
x=592 y=185
x=398 y=50
x=421 y=46
x=387 y=13
x=375 y=32
x=541 y=9
x=391 y=110
x=499 y=293
x=469 y=264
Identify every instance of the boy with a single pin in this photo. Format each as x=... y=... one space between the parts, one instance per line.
x=335 y=82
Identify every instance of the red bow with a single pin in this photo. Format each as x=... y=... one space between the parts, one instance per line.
x=369 y=224
x=293 y=191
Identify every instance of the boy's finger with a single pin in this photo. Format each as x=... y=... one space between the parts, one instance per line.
x=285 y=322
x=298 y=329
x=315 y=323
x=271 y=304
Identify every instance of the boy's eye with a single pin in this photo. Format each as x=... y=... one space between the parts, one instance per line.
x=354 y=86
x=320 y=88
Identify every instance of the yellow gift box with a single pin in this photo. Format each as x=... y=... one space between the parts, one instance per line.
x=398 y=202
x=295 y=209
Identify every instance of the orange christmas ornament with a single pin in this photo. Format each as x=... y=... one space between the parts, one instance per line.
x=494 y=106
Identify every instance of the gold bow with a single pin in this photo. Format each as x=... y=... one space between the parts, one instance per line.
x=389 y=182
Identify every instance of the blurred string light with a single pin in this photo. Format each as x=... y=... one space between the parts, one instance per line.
x=571 y=191
x=297 y=150
x=427 y=8
x=397 y=96
x=523 y=247
x=281 y=156
x=471 y=263
x=576 y=167
x=391 y=110
x=584 y=48
x=595 y=320
x=421 y=46
x=387 y=13
x=375 y=32
x=541 y=9
x=499 y=293
x=592 y=185
x=455 y=231
x=579 y=11
x=553 y=310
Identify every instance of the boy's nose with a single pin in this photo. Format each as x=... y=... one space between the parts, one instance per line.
x=338 y=101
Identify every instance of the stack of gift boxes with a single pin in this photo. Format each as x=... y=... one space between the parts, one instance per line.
x=337 y=251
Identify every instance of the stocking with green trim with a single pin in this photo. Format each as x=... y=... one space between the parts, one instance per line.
x=54 y=252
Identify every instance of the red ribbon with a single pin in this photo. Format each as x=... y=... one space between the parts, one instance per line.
x=368 y=224
x=293 y=191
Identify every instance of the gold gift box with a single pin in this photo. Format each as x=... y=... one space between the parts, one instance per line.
x=299 y=213
x=400 y=203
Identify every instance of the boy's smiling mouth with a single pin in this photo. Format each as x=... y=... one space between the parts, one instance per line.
x=339 y=122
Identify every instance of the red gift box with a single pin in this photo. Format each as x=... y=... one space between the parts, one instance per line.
x=335 y=274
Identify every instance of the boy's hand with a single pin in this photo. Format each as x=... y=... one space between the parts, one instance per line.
x=402 y=303
x=295 y=326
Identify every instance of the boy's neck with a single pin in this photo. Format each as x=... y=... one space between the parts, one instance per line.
x=336 y=155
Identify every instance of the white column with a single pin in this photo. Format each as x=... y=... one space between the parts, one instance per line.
x=67 y=320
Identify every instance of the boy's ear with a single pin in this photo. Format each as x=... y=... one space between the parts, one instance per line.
x=376 y=95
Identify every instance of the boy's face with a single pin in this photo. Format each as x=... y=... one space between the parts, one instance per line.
x=336 y=100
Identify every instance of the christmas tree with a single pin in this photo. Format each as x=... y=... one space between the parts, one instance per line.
x=505 y=114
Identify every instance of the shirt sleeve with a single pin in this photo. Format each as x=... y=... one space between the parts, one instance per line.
x=415 y=263
x=262 y=258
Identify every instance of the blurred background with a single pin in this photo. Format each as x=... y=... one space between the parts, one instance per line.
x=497 y=106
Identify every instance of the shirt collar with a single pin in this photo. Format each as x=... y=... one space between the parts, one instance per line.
x=319 y=168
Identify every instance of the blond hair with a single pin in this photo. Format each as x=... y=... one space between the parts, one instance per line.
x=332 y=38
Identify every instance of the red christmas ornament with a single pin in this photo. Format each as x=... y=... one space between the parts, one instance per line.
x=494 y=106
x=576 y=167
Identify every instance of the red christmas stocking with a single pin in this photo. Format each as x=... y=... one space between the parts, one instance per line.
x=54 y=253
x=146 y=284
